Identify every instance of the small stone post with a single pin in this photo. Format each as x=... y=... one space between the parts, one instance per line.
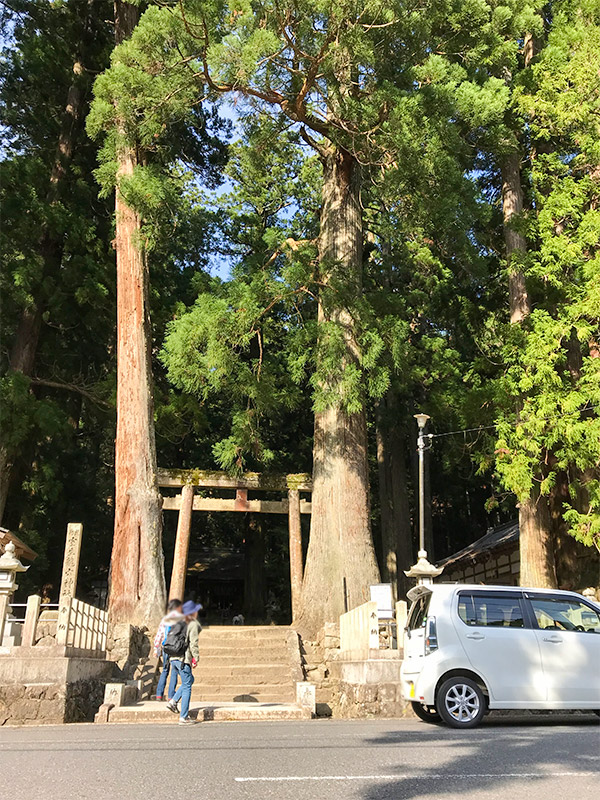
x=182 y=543
x=295 y=536
x=31 y=617
x=70 y=569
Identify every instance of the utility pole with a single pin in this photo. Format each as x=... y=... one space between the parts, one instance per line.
x=423 y=571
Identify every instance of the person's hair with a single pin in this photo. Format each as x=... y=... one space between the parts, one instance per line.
x=173 y=604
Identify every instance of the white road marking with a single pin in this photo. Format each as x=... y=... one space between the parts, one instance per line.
x=441 y=776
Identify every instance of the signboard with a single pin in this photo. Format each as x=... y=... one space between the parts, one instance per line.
x=381 y=593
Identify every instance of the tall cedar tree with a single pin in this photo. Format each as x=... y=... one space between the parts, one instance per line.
x=552 y=449
x=36 y=271
x=342 y=75
x=137 y=581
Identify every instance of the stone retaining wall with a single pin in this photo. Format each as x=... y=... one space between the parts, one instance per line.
x=360 y=701
x=43 y=685
x=50 y=703
x=353 y=685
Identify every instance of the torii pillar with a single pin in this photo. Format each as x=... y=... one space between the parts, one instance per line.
x=295 y=536
x=182 y=543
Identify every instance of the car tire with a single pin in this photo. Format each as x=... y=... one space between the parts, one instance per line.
x=461 y=703
x=426 y=713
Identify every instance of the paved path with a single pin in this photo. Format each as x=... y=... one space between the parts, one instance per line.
x=527 y=759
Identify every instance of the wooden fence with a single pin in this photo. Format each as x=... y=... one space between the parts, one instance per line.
x=82 y=626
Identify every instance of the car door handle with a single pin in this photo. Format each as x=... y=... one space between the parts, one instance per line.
x=476 y=636
x=553 y=639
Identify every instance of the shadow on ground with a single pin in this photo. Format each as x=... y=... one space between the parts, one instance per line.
x=474 y=762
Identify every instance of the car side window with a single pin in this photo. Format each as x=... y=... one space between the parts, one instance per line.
x=490 y=610
x=560 y=613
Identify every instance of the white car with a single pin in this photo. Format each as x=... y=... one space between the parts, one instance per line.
x=471 y=649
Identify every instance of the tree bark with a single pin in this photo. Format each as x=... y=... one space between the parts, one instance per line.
x=396 y=532
x=516 y=244
x=536 y=547
x=27 y=336
x=535 y=527
x=137 y=585
x=340 y=562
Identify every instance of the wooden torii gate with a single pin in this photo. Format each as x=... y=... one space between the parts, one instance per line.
x=188 y=501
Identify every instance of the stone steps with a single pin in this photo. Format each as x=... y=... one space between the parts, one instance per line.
x=242 y=673
x=246 y=633
x=156 y=712
x=275 y=654
x=231 y=691
x=244 y=662
x=251 y=659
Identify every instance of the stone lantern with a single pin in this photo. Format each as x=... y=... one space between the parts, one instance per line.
x=9 y=567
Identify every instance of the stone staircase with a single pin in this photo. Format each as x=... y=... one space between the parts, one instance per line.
x=247 y=664
x=244 y=673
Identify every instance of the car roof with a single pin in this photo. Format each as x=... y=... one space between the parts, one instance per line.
x=450 y=588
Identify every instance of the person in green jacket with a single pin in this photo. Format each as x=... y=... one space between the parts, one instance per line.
x=184 y=665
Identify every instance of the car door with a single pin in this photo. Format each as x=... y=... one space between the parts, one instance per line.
x=568 y=632
x=501 y=645
x=414 y=637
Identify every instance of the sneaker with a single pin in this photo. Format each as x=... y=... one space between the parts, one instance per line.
x=187 y=721
x=172 y=707
x=159 y=698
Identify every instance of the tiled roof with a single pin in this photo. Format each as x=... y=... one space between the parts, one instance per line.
x=21 y=549
x=493 y=539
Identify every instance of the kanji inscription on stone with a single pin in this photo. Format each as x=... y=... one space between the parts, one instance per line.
x=70 y=569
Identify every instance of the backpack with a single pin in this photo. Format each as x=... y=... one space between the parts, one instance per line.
x=176 y=641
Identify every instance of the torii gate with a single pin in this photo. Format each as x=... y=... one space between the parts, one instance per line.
x=187 y=501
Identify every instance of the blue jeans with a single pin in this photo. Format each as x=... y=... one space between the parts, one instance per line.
x=184 y=693
x=162 y=681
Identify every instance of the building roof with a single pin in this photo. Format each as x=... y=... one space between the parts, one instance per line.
x=494 y=539
x=21 y=549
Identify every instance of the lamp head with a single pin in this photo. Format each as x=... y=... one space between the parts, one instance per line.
x=421 y=420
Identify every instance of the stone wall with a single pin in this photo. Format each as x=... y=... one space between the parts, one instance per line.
x=316 y=658
x=42 y=685
x=50 y=703
x=349 y=686
x=364 y=700
x=129 y=648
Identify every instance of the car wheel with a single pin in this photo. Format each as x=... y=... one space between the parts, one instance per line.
x=426 y=713
x=461 y=703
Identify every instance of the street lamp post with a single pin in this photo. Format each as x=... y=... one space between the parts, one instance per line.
x=423 y=571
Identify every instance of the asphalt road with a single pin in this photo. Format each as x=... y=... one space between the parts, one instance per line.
x=519 y=759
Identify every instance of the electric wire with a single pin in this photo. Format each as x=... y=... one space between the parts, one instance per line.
x=489 y=427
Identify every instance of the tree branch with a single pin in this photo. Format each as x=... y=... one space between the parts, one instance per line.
x=70 y=387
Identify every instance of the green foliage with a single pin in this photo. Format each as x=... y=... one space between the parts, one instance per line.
x=554 y=364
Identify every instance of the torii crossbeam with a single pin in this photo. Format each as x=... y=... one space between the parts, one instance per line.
x=187 y=501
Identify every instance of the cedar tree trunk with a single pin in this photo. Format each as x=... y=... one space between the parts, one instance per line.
x=137 y=583
x=535 y=530
x=340 y=562
x=396 y=533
